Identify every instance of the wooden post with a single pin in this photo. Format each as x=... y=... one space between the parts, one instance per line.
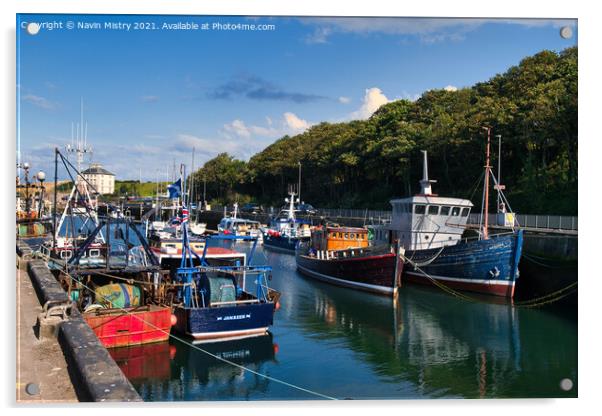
x=397 y=275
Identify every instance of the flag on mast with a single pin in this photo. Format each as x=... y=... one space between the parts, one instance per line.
x=175 y=189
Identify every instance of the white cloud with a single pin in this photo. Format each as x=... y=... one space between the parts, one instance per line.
x=372 y=101
x=319 y=35
x=238 y=127
x=344 y=100
x=290 y=123
x=295 y=123
x=451 y=88
x=40 y=102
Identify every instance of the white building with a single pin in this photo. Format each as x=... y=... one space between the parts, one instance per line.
x=100 y=178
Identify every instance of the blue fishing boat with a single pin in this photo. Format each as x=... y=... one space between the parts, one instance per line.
x=213 y=302
x=430 y=229
x=286 y=229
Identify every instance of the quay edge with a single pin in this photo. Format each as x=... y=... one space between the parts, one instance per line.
x=92 y=371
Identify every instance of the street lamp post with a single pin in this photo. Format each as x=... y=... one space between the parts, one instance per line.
x=41 y=177
x=27 y=202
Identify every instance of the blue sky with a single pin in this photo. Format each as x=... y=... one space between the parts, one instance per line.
x=150 y=96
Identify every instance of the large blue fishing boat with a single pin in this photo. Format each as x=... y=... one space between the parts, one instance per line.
x=286 y=229
x=430 y=229
x=213 y=302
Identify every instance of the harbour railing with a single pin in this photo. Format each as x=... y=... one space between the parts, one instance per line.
x=543 y=222
x=369 y=216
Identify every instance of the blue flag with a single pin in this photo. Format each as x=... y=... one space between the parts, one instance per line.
x=175 y=189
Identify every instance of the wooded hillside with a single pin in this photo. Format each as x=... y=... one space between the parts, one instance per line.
x=363 y=164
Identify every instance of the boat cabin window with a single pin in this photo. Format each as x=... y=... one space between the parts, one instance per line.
x=419 y=209
x=66 y=254
x=465 y=212
x=433 y=209
x=94 y=252
x=455 y=211
x=445 y=210
x=170 y=245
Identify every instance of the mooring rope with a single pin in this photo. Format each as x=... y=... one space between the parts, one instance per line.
x=436 y=283
x=540 y=300
x=531 y=303
x=432 y=259
x=276 y=380
x=530 y=257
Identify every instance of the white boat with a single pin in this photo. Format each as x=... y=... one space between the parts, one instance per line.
x=239 y=226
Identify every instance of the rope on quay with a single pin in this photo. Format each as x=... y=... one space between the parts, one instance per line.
x=285 y=383
x=531 y=303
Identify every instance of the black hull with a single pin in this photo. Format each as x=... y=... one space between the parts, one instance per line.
x=376 y=272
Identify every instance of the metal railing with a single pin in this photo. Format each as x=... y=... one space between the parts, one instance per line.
x=556 y=222
x=548 y=222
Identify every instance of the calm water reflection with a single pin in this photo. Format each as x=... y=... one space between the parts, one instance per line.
x=347 y=344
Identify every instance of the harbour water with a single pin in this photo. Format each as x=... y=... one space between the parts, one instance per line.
x=350 y=345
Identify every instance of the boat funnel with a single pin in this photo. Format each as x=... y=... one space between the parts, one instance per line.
x=425 y=183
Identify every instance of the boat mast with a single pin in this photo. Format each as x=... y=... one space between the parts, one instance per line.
x=487 y=170
x=498 y=185
x=291 y=205
x=299 y=187
x=191 y=196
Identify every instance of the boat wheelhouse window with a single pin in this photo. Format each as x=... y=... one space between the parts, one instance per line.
x=455 y=211
x=445 y=210
x=465 y=212
x=94 y=252
x=419 y=209
x=433 y=209
x=66 y=254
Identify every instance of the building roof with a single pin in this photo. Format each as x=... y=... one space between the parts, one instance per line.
x=97 y=169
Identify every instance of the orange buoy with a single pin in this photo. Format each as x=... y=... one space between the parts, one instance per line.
x=174 y=320
x=276 y=348
x=277 y=306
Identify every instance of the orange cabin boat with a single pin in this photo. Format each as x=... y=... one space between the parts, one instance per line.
x=334 y=238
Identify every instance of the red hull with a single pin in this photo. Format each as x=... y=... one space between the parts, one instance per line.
x=484 y=288
x=144 y=361
x=118 y=328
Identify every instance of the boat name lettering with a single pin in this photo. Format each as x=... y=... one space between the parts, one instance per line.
x=233 y=317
